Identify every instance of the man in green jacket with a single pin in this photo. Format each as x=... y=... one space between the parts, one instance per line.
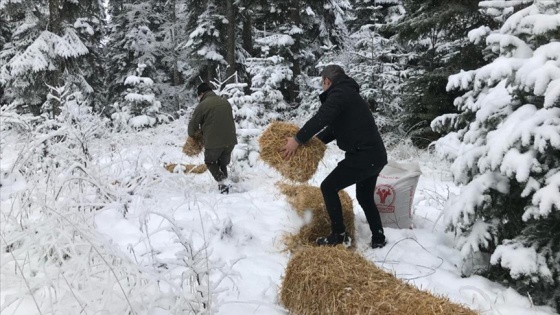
x=213 y=116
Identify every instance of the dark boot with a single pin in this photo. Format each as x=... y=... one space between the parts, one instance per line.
x=224 y=189
x=334 y=239
x=378 y=241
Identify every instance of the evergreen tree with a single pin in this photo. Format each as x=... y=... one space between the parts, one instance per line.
x=5 y=37
x=88 y=18
x=47 y=48
x=364 y=13
x=306 y=28
x=133 y=45
x=376 y=60
x=205 y=41
x=434 y=32
x=140 y=107
x=25 y=90
x=170 y=35
x=279 y=32
x=505 y=142
x=332 y=21
x=267 y=74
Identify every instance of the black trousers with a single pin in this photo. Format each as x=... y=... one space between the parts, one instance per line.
x=217 y=161
x=365 y=179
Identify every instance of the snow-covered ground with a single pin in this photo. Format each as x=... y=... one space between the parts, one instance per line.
x=238 y=237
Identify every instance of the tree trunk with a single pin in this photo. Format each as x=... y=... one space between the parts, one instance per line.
x=53 y=77
x=247 y=35
x=230 y=41
x=175 y=76
x=293 y=88
x=247 y=39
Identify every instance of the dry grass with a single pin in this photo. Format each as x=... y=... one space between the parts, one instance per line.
x=193 y=145
x=304 y=198
x=333 y=280
x=302 y=165
x=186 y=168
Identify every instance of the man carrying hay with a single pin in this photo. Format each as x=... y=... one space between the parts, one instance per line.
x=213 y=116
x=344 y=116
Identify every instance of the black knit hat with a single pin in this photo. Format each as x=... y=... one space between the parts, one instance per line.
x=203 y=88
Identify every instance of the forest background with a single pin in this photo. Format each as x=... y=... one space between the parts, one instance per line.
x=477 y=82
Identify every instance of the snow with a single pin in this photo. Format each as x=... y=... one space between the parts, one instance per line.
x=4 y=3
x=136 y=97
x=45 y=48
x=506 y=134
x=240 y=235
x=505 y=42
x=84 y=23
x=461 y=208
x=11 y=183
x=531 y=20
x=502 y=3
x=477 y=34
x=521 y=260
x=546 y=198
x=387 y=1
x=135 y=80
x=141 y=121
x=210 y=53
x=295 y=30
x=538 y=72
x=278 y=40
x=481 y=235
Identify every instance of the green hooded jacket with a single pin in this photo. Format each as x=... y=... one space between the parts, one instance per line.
x=214 y=117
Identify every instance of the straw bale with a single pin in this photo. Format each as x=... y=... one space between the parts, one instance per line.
x=305 y=198
x=193 y=145
x=334 y=280
x=186 y=168
x=303 y=164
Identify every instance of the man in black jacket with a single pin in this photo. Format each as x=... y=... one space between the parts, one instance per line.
x=344 y=116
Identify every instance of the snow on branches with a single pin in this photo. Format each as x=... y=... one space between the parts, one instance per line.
x=505 y=144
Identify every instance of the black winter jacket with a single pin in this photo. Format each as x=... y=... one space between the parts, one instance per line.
x=345 y=116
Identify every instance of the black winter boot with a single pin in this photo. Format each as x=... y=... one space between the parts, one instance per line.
x=378 y=241
x=334 y=239
x=224 y=189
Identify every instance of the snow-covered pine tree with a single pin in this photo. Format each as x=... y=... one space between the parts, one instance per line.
x=272 y=68
x=375 y=60
x=205 y=41
x=505 y=143
x=26 y=23
x=5 y=37
x=133 y=45
x=4 y=30
x=332 y=21
x=90 y=24
x=310 y=25
x=265 y=102
x=140 y=108
x=434 y=34
x=268 y=73
x=47 y=49
x=171 y=33
x=365 y=12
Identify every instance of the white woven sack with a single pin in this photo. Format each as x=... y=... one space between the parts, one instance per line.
x=394 y=193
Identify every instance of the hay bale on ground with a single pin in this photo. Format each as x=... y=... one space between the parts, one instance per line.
x=305 y=198
x=302 y=165
x=186 y=168
x=193 y=145
x=333 y=280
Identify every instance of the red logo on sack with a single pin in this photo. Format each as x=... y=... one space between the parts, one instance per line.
x=385 y=198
